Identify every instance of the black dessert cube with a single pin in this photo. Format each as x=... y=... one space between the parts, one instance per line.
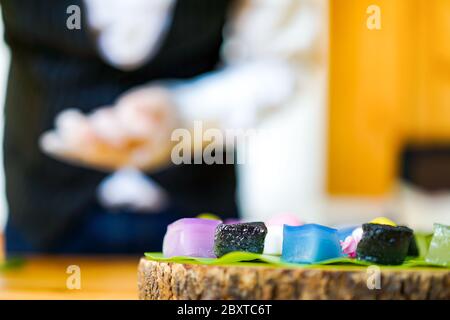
x=383 y=244
x=246 y=237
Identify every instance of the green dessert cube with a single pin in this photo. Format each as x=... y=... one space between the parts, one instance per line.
x=439 y=251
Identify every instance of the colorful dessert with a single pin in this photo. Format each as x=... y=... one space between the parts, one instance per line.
x=384 y=221
x=209 y=216
x=439 y=251
x=273 y=243
x=282 y=219
x=343 y=233
x=350 y=243
x=190 y=237
x=310 y=243
x=380 y=242
x=350 y=237
x=384 y=244
x=246 y=237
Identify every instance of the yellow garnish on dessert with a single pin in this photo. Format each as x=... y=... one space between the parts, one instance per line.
x=384 y=221
x=208 y=216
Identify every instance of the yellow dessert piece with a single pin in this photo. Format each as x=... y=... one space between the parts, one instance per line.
x=384 y=221
x=208 y=216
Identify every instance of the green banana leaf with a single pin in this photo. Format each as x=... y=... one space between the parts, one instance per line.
x=254 y=259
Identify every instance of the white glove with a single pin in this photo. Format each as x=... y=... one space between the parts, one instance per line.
x=131 y=189
x=135 y=132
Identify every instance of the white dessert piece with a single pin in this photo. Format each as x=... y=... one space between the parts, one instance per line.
x=273 y=244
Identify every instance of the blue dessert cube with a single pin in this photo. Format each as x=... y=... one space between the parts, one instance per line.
x=310 y=243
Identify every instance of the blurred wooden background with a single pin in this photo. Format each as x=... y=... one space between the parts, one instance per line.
x=388 y=88
x=46 y=277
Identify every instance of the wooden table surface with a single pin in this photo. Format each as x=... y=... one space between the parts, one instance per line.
x=46 y=277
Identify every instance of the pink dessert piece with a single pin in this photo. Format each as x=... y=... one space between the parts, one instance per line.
x=350 y=243
x=284 y=219
x=191 y=237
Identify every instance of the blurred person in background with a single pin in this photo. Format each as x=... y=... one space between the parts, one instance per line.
x=109 y=95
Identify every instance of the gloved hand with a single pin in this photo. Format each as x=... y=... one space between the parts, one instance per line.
x=134 y=132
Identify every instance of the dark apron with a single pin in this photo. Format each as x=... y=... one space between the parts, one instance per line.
x=53 y=69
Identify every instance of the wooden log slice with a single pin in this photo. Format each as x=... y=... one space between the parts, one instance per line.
x=173 y=281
